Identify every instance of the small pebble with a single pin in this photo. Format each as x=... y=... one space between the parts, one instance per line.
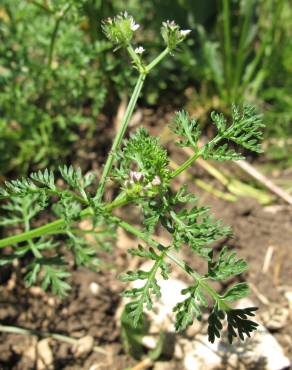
x=94 y=288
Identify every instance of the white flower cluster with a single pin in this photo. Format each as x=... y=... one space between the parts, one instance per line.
x=136 y=177
x=120 y=30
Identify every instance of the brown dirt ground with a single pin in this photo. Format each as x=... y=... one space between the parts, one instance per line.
x=83 y=314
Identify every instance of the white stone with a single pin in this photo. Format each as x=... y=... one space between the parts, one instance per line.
x=203 y=355
x=275 y=317
x=261 y=348
x=94 y=288
x=149 y=341
x=288 y=296
x=45 y=358
x=162 y=314
x=83 y=347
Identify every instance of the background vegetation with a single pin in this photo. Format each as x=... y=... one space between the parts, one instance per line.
x=58 y=73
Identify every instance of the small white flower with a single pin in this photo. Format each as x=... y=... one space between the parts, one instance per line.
x=136 y=176
x=170 y=24
x=139 y=50
x=184 y=33
x=156 y=181
x=134 y=26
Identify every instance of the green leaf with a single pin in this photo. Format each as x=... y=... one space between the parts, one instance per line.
x=46 y=178
x=54 y=278
x=71 y=176
x=185 y=127
x=214 y=324
x=239 y=324
x=236 y=292
x=226 y=266
x=143 y=296
x=84 y=254
x=196 y=229
x=20 y=187
x=67 y=207
x=132 y=335
x=7 y=259
x=245 y=131
x=189 y=309
x=237 y=320
x=32 y=275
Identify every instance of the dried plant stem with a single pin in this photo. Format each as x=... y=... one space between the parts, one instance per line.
x=40 y=334
x=252 y=171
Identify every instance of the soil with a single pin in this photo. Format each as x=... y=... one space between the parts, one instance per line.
x=256 y=228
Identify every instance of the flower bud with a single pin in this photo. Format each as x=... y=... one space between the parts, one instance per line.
x=137 y=176
x=172 y=34
x=156 y=181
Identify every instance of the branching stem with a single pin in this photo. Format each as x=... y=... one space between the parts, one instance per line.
x=56 y=226
x=128 y=114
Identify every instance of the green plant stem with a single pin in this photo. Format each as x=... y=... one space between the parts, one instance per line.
x=266 y=42
x=186 y=164
x=41 y=6
x=40 y=334
x=55 y=226
x=241 y=57
x=35 y=251
x=135 y=58
x=34 y=233
x=53 y=41
x=157 y=60
x=58 y=21
x=128 y=114
x=227 y=43
x=51 y=193
x=119 y=137
x=133 y=230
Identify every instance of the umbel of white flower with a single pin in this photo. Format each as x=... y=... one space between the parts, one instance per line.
x=172 y=34
x=120 y=29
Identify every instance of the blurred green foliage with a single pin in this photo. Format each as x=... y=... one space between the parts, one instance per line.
x=57 y=73
x=53 y=78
